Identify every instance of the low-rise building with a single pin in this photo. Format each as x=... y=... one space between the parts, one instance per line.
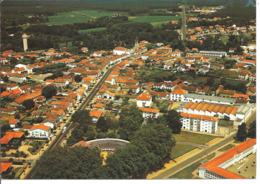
x=40 y=131
x=144 y=100
x=149 y=112
x=217 y=167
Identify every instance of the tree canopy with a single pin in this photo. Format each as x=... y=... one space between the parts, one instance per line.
x=173 y=121
x=129 y=122
x=28 y=104
x=49 y=91
x=241 y=132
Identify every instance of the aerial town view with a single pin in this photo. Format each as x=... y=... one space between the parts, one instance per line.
x=128 y=89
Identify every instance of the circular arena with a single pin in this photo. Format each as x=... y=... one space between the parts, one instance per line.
x=107 y=144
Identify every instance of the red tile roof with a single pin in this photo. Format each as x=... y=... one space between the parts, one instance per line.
x=10 y=135
x=179 y=91
x=42 y=127
x=96 y=113
x=196 y=116
x=13 y=121
x=144 y=97
x=149 y=110
x=213 y=164
x=5 y=166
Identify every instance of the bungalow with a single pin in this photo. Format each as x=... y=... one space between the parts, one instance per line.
x=13 y=122
x=178 y=94
x=50 y=122
x=12 y=140
x=119 y=51
x=10 y=110
x=109 y=95
x=95 y=115
x=40 y=131
x=144 y=100
x=149 y=113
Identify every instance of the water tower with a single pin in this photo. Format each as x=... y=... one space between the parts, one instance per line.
x=25 y=43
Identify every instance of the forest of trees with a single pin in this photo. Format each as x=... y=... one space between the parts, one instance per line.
x=146 y=152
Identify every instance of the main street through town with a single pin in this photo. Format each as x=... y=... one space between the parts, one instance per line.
x=69 y=124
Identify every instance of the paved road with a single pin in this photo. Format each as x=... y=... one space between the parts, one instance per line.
x=193 y=159
x=69 y=125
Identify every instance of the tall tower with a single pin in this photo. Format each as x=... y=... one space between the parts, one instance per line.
x=183 y=26
x=25 y=43
x=136 y=44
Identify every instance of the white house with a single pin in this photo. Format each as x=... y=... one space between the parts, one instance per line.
x=40 y=131
x=178 y=94
x=119 y=51
x=13 y=122
x=148 y=112
x=144 y=100
x=95 y=115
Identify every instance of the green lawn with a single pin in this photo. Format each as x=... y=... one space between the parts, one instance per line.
x=155 y=19
x=187 y=172
x=193 y=137
x=227 y=147
x=84 y=31
x=179 y=150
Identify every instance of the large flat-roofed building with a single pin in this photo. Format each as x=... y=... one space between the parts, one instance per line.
x=217 y=168
x=199 y=123
x=207 y=109
x=208 y=99
x=217 y=110
x=213 y=53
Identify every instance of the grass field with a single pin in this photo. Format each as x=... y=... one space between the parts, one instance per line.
x=155 y=20
x=227 y=147
x=80 y=16
x=179 y=150
x=193 y=137
x=84 y=31
x=187 y=172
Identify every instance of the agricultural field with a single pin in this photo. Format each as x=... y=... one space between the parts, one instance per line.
x=84 y=31
x=193 y=137
x=156 y=20
x=81 y=16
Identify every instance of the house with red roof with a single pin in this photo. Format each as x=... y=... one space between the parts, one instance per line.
x=178 y=94
x=144 y=100
x=149 y=112
x=40 y=131
x=119 y=51
x=11 y=140
x=6 y=167
x=13 y=122
x=95 y=115
x=217 y=168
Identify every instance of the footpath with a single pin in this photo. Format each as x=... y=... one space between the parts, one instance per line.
x=160 y=174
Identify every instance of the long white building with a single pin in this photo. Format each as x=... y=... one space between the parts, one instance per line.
x=217 y=167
